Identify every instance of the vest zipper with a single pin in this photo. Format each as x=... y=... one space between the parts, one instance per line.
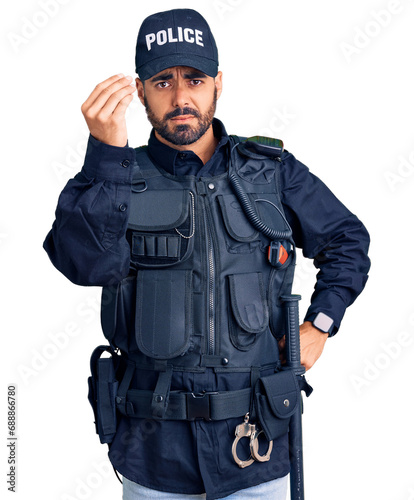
x=211 y=283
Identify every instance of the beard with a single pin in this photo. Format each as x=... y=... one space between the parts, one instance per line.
x=183 y=134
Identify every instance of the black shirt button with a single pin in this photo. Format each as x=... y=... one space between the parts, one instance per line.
x=122 y=207
x=125 y=163
x=182 y=155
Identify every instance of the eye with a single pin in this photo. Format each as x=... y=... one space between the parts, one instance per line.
x=162 y=85
x=196 y=83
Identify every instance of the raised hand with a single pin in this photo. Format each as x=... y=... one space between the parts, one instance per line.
x=104 y=110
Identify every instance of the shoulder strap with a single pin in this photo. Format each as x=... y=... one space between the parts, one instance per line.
x=143 y=169
x=236 y=139
x=259 y=145
x=144 y=163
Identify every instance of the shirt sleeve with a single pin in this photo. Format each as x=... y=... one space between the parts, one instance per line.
x=328 y=233
x=87 y=241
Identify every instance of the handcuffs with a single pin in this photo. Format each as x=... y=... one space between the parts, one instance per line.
x=249 y=430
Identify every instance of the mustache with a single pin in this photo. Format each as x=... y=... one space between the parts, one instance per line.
x=181 y=112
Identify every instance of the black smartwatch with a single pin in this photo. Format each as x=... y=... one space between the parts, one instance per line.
x=323 y=323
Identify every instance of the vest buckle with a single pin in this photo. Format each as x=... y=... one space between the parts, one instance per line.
x=198 y=405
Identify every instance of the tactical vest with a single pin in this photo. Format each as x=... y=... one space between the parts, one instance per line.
x=201 y=291
x=211 y=259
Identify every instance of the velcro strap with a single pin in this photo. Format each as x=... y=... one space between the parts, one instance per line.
x=160 y=397
x=121 y=400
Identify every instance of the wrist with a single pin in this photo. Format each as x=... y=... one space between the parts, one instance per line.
x=323 y=323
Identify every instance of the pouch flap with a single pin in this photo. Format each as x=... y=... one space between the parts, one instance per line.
x=269 y=208
x=237 y=224
x=158 y=210
x=248 y=301
x=163 y=323
x=282 y=393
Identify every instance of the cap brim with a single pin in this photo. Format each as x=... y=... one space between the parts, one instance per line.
x=207 y=66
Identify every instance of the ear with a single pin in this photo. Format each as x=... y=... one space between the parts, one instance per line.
x=218 y=81
x=140 y=90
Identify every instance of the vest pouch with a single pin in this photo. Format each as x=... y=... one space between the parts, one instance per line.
x=161 y=227
x=103 y=387
x=243 y=236
x=163 y=324
x=277 y=397
x=280 y=284
x=117 y=312
x=235 y=221
x=249 y=311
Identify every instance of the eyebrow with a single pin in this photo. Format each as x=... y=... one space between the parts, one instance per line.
x=194 y=75
x=188 y=76
x=164 y=76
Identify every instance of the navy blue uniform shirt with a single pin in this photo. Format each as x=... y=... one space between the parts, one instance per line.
x=87 y=244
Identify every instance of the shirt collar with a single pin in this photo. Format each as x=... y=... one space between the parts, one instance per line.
x=181 y=163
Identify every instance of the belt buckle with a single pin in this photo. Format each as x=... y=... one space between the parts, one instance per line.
x=198 y=405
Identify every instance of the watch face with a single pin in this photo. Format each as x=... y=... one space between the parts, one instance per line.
x=323 y=322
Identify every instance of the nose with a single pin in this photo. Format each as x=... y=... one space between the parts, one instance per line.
x=181 y=97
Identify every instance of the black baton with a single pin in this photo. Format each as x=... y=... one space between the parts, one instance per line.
x=291 y=307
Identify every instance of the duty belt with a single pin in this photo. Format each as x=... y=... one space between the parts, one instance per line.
x=186 y=405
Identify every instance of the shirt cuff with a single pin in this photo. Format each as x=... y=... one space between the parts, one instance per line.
x=106 y=162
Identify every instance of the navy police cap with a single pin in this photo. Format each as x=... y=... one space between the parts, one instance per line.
x=179 y=37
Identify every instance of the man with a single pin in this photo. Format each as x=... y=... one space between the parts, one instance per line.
x=193 y=240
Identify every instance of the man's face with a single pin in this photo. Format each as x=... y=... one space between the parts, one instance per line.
x=180 y=103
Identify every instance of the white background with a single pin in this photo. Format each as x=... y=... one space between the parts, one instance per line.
x=341 y=100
